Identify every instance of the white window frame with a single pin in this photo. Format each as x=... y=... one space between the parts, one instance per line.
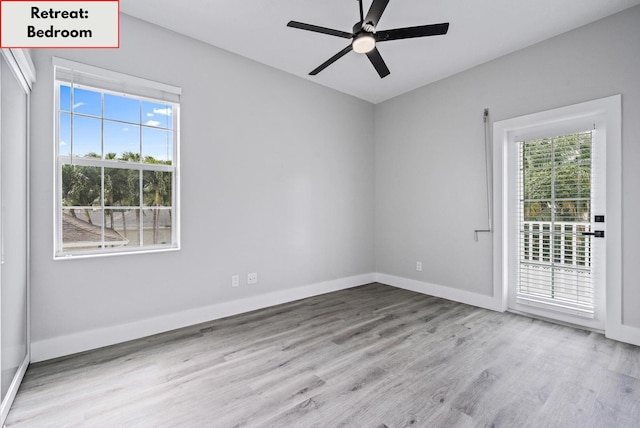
x=109 y=82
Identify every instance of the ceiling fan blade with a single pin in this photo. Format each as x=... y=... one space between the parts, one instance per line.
x=331 y=60
x=323 y=30
x=377 y=61
x=410 y=32
x=375 y=11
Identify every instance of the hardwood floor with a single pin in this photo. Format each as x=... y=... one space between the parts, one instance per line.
x=372 y=356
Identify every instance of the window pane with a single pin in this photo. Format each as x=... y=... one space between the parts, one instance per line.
x=87 y=102
x=81 y=186
x=537 y=153
x=81 y=229
x=87 y=136
x=125 y=109
x=156 y=186
x=112 y=238
x=157 y=146
x=115 y=203
x=65 y=98
x=537 y=211
x=64 y=134
x=122 y=227
x=573 y=211
x=537 y=183
x=121 y=141
x=157 y=226
x=121 y=187
x=157 y=115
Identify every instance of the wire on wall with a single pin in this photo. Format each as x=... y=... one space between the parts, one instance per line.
x=488 y=156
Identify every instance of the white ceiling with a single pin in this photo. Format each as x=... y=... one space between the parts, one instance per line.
x=480 y=30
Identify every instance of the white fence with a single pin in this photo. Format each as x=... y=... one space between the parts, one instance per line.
x=555 y=262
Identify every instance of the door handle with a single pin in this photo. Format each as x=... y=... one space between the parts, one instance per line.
x=597 y=233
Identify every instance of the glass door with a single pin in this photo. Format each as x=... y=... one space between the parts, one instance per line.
x=558 y=248
x=14 y=348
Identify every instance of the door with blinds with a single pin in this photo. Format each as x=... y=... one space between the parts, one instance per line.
x=560 y=229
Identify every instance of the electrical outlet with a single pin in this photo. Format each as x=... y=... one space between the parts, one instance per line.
x=235 y=280
x=252 y=278
x=419 y=266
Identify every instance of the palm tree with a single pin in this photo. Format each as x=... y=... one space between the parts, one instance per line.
x=157 y=192
x=81 y=186
x=122 y=186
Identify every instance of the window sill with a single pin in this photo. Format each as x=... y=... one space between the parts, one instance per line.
x=89 y=255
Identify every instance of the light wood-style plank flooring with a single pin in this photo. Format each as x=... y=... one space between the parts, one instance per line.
x=371 y=356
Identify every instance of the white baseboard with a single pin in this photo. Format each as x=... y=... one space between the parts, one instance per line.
x=92 y=339
x=619 y=332
x=46 y=349
x=624 y=333
x=449 y=293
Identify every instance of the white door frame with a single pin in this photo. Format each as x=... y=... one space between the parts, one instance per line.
x=606 y=112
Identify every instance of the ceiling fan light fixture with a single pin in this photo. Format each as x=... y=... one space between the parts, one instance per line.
x=363 y=43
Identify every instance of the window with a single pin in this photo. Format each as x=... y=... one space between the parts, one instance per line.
x=116 y=162
x=556 y=255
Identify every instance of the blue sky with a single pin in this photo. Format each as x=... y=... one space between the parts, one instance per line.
x=127 y=122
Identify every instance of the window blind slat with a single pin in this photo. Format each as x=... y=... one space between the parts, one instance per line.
x=86 y=75
x=554 y=210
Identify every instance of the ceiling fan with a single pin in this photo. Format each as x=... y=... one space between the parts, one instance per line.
x=365 y=36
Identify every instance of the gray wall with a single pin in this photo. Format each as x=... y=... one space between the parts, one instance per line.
x=430 y=183
x=278 y=175
x=277 y=178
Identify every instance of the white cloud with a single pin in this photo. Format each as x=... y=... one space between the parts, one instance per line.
x=152 y=123
x=125 y=129
x=63 y=143
x=80 y=104
x=164 y=111
x=150 y=115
